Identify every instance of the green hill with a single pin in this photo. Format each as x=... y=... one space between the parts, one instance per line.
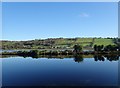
x=57 y=43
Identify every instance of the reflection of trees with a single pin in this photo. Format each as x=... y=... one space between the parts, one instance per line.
x=99 y=57
x=35 y=56
x=78 y=58
x=112 y=57
x=7 y=56
x=108 y=57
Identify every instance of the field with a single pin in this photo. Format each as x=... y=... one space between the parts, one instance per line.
x=57 y=43
x=85 y=42
x=104 y=42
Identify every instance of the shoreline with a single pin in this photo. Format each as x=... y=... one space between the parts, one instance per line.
x=57 y=52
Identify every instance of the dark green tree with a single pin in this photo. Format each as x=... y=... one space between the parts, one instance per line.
x=98 y=47
x=95 y=47
x=77 y=48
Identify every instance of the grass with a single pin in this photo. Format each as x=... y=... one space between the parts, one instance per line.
x=63 y=43
x=71 y=43
x=103 y=42
x=83 y=40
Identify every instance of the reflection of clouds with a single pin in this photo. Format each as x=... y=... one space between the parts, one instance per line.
x=0 y=71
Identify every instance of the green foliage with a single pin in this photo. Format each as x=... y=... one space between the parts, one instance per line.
x=98 y=47
x=111 y=48
x=32 y=53
x=77 y=48
x=58 y=43
x=106 y=48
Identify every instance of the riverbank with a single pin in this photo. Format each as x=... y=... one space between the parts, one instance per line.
x=57 y=52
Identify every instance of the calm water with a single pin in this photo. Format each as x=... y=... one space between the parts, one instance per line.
x=10 y=50
x=19 y=71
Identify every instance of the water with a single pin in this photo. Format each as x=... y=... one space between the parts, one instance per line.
x=8 y=50
x=12 y=50
x=19 y=71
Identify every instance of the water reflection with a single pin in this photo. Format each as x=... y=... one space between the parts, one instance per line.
x=107 y=57
x=112 y=57
x=76 y=58
x=8 y=56
x=40 y=71
x=99 y=57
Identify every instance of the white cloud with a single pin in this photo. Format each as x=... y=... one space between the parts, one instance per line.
x=84 y=15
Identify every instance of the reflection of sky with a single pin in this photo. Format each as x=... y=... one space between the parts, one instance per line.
x=42 y=71
x=10 y=50
x=7 y=50
x=0 y=72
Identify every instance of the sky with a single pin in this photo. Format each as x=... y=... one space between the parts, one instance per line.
x=41 y=20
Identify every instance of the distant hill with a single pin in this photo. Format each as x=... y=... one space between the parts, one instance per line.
x=58 y=43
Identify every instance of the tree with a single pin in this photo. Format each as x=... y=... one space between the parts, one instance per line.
x=77 y=48
x=34 y=52
x=95 y=47
x=98 y=47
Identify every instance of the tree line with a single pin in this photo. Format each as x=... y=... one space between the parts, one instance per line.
x=106 y=48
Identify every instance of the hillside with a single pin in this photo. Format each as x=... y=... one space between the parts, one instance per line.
x=57 y=43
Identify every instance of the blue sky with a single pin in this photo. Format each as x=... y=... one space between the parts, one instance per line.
x=30 y=20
